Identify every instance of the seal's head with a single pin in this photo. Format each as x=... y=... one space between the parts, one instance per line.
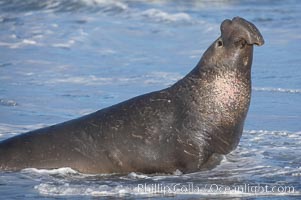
x=234 y=48
x=240 y=32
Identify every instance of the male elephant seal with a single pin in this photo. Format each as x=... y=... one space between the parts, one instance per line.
x=179 y=127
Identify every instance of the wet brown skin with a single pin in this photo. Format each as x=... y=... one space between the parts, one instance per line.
x=179 y=127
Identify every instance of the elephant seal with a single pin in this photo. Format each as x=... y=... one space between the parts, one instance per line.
x=179 y=127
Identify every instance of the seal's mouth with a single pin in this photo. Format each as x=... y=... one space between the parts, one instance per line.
x=239 y=28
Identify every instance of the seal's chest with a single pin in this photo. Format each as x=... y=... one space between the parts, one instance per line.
x=229 y=92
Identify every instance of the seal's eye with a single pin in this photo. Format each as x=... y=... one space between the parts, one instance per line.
x=219 y=43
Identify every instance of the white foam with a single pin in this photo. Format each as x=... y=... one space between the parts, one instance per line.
x=163 y=78
x=68 y=44
x=82 y=190
x=153 y=14
x=258 y=135
x=264 y=132
x=107 y=51
x=52 y=4
x=8 y=102
x=277 y=132
x=296 y=174
x=134 y=175
x=177 y=173
x=61 y=171
x=87 y=80
x=112 y=3
x=29 y=42
x=16 y=45
x=283 y=90
x=149 y=190
x=161 y=16
x=38 y=62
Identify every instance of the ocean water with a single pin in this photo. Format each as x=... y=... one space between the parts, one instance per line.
x=61 y=59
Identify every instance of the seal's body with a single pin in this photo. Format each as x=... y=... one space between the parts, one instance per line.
x=179 y=127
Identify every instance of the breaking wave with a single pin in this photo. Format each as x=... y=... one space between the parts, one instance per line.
x=161 y=16
x=63 y=5
x=162 y=78
x=282 y=90
x=8 y=102
x=103 y=6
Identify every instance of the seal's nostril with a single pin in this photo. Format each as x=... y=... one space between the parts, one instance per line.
x=243 y=43
x=219 y=43
x=260 y=41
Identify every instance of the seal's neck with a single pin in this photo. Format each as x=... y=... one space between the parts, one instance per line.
x=228 y=95
x=218 y=95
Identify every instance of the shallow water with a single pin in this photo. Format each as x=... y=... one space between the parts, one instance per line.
x=62 y=59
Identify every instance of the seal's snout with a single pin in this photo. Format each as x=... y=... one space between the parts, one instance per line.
x=239 y=28
x=253 y=36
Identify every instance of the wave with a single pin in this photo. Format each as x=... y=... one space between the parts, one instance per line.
x=63 y=5
x=162 y=78
x=102 y=6
x=161 y=16
x=59 y=171
x=8 y=102
x=282 y=90
x=64 y=182
x=82 y=190
x=274 y=132
x=155 y=189
x=289 y=135
x=22 y=43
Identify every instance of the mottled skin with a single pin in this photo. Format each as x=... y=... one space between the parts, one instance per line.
x=179 y=127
